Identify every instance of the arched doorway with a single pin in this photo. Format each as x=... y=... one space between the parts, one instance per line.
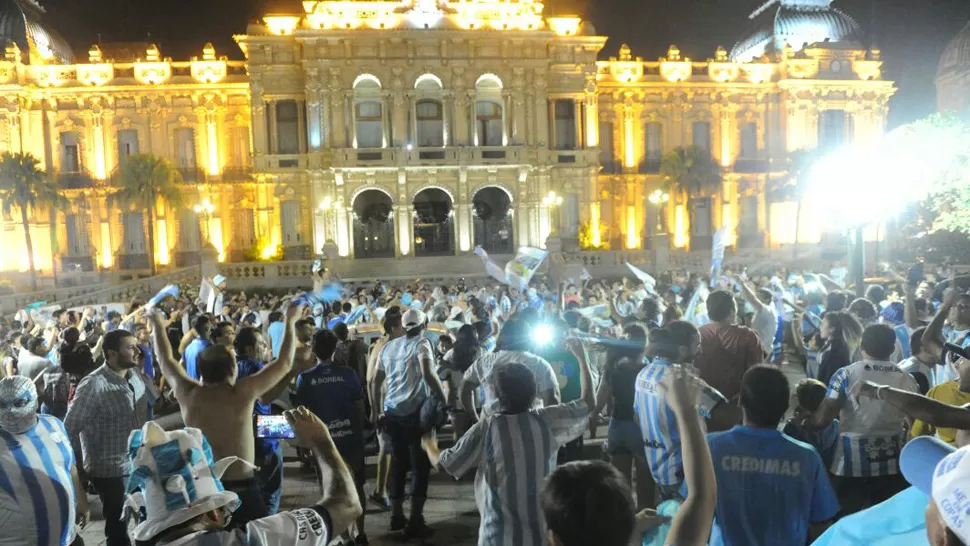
x=373 y=225
x=433 y=223
x=493 y=220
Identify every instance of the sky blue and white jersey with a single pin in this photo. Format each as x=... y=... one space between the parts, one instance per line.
x=405 y=387
x=658 y=424
x=902 y=336
x=871 y=432
x=37 y=497
x=946 y=371
x=514 y=454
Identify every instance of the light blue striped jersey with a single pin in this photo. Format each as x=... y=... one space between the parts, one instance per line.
x=871 y=432
x=37 y=497
x=658 y=424
x=405 y=387
x=902 y=336
x=514 y=454
x=947 y=371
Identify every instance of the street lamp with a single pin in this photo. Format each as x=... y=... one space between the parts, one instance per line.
x=659 y=199
x=205 y=210
x=553 y=201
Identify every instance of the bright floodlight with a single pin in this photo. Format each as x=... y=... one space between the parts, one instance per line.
x=542 y=335
x=857 y=185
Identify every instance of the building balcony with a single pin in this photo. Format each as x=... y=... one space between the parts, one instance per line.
x=396 y=157
x=77 y=180
x=236 y=174
x=72 y=264
x=192 y=175
x=282 y=162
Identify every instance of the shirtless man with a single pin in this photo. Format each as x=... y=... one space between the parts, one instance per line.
x=222 y=407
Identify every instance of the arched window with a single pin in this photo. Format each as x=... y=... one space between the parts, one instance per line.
x=489 y=113
x=430 y=123
x=368 y=112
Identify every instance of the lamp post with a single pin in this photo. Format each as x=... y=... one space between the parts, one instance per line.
x=553 y=202
x=659 y=199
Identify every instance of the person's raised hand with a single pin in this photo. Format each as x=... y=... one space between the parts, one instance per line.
x=307 y=427
x=294 y=312
x=574 y=345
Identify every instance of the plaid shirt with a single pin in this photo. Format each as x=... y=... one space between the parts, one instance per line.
x=105 y=409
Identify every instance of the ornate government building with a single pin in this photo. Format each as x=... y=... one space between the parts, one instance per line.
x=424 y=128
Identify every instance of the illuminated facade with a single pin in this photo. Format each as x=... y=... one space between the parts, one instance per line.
x=423 y=128
x=953 y=76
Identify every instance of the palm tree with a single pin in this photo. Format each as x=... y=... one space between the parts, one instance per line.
x=693 y=171
x=143 y=180
x=25 y=187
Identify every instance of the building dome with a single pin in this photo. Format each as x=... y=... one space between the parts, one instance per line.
x=956 y=56
x=20 y=24
x=796 y=23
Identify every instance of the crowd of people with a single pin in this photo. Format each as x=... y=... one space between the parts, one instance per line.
x=153 y=411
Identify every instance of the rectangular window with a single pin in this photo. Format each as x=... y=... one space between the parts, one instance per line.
x=287 y=127
x=749 y=215
x=607 y=153
x=190 y=237
x=564 y=112
x=70 y=152
x=127 y=145
x=430 y=124
x=488 y=116
x=749 y=141
x=653 y=146
x=701 y=131
x=134 y=225
x=77 y=235
x=185 y=148
x=244 y=229
x=831 y=129
x=239 y=147
x=570 y=222
x=291 y=222
x=701 y=225
x=370 y=124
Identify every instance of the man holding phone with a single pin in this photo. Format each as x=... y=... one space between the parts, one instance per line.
x=221 y=405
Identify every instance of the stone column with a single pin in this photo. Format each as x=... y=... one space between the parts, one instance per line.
x=541 y=105
x=592 y=121
x=258 y=107
x=578 y=120
x=399 y=121
x=461 y=132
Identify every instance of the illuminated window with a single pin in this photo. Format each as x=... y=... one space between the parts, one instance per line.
x=370 y=124
x=239 y=147
x=185 y=148
x=834 y=129
x=749 y=141
x=565 y=124
x=291 y=220
x=70 y=152
x=430 y=123
x=653 y=147
x=488 y=116
x=127 y=145
x=702 y=135
x=607 y=157
x=134 y=226
x=77 y=235
x=287 y=127
x=243 y=229
x=190 y=238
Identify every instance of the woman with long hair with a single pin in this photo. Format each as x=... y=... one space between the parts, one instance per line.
x=840 y=334
x=456 y=361
x=624 y=360
x=76 y=361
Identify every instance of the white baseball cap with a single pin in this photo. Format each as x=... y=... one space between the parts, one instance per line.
x=413 y=318
x=942 y=473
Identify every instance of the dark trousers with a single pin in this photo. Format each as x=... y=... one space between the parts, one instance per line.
x=251 y=507
x=112 y=494
x=78 y=541
x=857 y=494
x=407 y=454
x=270 y=478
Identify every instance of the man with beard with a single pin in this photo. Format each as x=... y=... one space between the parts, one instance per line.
x=108 y=404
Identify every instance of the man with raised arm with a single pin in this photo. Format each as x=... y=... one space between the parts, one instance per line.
x=222 y=406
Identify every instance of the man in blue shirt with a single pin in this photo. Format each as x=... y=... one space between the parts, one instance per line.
x=335 y=395
x=203 y=329
x=772 y=489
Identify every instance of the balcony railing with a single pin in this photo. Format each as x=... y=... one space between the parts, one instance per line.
x=75 y=180
x=236 y=174
x=192 y=175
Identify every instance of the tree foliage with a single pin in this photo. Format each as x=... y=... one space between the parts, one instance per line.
x=692 y=170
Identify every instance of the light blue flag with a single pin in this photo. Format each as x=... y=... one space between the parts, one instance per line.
x=696 y=310
x=170 y=291
x=898 y=521
x=717 y=251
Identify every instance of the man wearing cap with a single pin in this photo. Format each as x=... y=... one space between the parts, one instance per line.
x=407 y=365
x=42 y=499
x=177 y=482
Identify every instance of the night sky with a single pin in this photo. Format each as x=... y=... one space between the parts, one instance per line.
x=911 y=33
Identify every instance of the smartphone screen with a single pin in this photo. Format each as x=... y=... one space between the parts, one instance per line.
x=273 y=427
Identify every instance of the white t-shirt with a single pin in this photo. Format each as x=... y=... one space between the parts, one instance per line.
x=303 y=527
x=30 y=365
x=765 y=324
x=481 y=372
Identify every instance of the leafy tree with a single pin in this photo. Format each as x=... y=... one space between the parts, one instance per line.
x=25 y=187
x=691 y=170
x=142 y=181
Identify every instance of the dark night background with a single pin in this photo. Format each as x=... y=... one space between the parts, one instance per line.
x=911 y=33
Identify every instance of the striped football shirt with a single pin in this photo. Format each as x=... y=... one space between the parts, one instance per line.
x=871 y=432
x=514 y=454
x=37 y=497
x=404 y=382
x=658 y=424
